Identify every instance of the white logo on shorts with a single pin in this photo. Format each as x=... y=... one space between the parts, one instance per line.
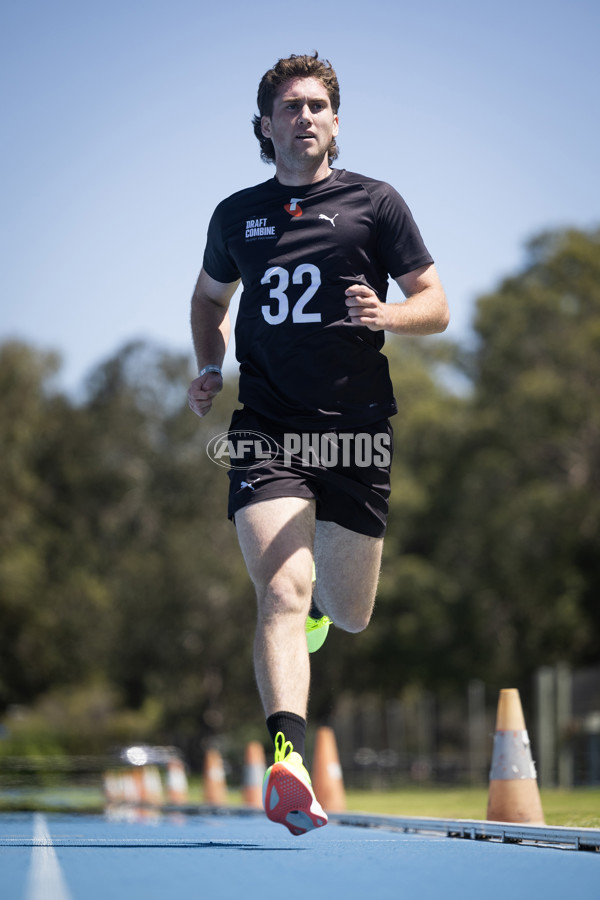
x=241 y=449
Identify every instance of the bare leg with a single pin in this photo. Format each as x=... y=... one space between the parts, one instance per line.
x=276 y=538
x=347 y=566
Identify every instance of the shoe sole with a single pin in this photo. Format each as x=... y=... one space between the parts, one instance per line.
x=288 y=801
x=315 y=638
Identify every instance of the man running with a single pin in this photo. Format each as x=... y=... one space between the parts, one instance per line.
x=313 y=248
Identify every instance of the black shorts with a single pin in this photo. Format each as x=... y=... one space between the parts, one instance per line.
x=347 y=471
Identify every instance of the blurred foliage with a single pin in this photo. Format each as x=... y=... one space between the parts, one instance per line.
x=122 y=588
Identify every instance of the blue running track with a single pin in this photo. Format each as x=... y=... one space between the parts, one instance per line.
x=246 y=857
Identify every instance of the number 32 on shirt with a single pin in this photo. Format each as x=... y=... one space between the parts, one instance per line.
x=280 y=279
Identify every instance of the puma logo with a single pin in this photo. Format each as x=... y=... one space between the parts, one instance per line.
x=322 y=216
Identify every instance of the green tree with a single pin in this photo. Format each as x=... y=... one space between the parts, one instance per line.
x=184 y=608
x=48 y=593
x=522 y=540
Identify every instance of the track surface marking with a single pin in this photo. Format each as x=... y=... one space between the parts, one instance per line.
x=45 y=879
x=249 y=858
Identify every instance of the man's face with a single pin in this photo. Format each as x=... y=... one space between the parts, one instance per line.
x=302 y=124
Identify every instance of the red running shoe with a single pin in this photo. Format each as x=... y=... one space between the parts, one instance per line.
x=288 y=796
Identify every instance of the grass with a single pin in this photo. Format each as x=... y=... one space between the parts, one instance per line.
x=576 y=808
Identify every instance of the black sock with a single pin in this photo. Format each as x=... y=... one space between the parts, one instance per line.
x=292 y=726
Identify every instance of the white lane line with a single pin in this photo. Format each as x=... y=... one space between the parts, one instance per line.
x=46 y=880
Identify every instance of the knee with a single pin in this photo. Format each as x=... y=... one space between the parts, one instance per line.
x=348 y=611
x=353 y=621
x=283 y=596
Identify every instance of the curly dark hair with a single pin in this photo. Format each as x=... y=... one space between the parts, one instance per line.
x=283 y=71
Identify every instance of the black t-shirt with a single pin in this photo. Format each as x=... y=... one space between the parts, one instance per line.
x=302 y=361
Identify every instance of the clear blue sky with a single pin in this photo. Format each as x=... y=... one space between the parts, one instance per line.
x=125 y=121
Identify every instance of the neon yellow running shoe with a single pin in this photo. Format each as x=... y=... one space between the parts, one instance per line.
x=316 y=632
x=288 y=797
x=316 y=626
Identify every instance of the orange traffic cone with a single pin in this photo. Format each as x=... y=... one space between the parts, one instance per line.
x=177 y=783
x=149 y=785
x=131 y=787
x=215 y=789
x=513 y=793
x=327 y=779
x=254 y=771
x=111 y=784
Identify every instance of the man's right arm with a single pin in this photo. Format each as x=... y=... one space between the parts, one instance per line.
x=210 y=333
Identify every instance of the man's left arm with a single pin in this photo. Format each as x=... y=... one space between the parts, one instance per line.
x=425 y=310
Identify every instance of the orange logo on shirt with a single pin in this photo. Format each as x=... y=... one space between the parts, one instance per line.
x=293 y=208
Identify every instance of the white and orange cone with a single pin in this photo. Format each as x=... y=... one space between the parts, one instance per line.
x=215 y=788
x=131 y=787
x=111 y=787
x=254 y=772
x=149 y=784
x=513 y=791
x=326 y=776
x=177 y=783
